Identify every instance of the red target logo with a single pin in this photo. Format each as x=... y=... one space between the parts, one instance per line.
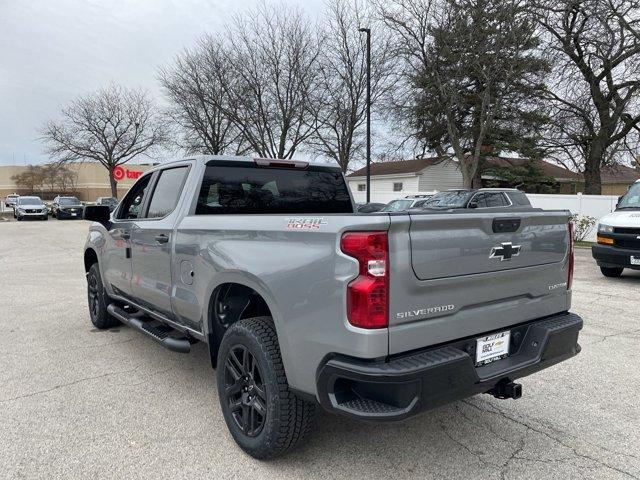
x=118 y=173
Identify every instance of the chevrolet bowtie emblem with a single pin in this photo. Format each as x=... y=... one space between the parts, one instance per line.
x=505 y=251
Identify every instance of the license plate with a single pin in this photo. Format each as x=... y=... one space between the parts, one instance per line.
x=492 y=347
x=634 y=260
x=74 y=214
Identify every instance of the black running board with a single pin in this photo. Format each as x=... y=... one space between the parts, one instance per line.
x=158 y=333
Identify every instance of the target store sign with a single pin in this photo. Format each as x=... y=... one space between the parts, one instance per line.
x=120 y=173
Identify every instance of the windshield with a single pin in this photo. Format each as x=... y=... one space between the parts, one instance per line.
x=69 y=201
x=397 y=206
x=29 y=201
x=457 y=199
x=632 y=198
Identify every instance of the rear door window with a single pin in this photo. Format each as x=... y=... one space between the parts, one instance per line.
x=249 y=189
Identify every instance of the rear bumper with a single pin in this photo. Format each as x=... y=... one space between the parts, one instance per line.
x=614 y=257
x=405 y=385
x=67 y=214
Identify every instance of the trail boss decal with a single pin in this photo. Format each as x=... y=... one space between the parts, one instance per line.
x=305 y=223
x=423 y=312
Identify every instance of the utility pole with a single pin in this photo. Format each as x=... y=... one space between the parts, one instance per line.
x=368 y=32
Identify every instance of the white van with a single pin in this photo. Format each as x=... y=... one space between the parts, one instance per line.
x=619 y=236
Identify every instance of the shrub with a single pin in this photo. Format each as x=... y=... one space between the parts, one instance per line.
x=582 y=226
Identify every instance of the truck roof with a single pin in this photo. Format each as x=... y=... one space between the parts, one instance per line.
x=237 y=158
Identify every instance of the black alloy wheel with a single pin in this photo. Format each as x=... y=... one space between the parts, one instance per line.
x=94 y=298
x=245 y=391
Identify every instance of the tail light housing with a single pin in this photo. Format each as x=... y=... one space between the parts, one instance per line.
x=368 y=293
x=571 y=259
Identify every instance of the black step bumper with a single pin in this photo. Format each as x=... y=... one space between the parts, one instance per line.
x=405 y=385
x=614 y=257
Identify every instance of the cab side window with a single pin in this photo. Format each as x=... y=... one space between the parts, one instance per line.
x=496 y=200
x=166 y=192
x=132 y=204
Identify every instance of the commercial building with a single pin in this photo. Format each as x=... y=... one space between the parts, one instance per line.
x=88 y=181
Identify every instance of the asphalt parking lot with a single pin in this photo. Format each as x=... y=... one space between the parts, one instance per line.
x=80 y=403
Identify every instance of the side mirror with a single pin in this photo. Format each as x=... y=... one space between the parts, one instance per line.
x=97 y=213
x=619 y=200
x=472 y=205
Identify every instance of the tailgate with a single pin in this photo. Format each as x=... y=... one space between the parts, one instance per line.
x=453 y=245
x=457 y=275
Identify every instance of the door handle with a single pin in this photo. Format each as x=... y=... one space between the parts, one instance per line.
x=162 y=238
x=125 y=235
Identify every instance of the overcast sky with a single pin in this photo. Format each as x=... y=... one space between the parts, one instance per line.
x=54 y=50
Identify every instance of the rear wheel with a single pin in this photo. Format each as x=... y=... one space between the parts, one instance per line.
x=97 y=298
x=611 y=271
x=263 y=415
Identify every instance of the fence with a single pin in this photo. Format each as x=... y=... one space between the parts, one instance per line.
x=595 y=206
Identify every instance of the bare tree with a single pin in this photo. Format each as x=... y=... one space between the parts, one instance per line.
x=340 y=98
x=196 y=85
x=31 y=179
x=273 y=51
x=596 y=54
x=111 y=126
x=472 y=77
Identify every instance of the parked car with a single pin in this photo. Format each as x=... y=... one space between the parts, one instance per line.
x=10 y=200
x=30 y=207
x=370 y=207
x=618 y=236
x=66 y=207
x=301 y=301
x=479 y=198
x=110 y=202
x=407 y=203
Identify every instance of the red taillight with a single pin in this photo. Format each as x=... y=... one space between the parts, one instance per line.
x=571 y=257
x=368 y=294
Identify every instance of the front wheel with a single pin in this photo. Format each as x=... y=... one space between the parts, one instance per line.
x=611 y=271
x=263 y=415
x=97 y=298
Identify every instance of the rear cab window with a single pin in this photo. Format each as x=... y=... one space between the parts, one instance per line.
x=246 y=188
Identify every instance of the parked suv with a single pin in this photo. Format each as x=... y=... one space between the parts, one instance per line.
x=303 y=302
x=10 y=200
x=407 y=203
x=480 y=198
x=66 y=207
x=619 y=236
x=30 y=207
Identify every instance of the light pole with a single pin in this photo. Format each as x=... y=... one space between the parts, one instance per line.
x=368 y=32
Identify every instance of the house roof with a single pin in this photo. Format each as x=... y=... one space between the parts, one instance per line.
x=418 y=164
x=610 y=174
x=550 y=169
x=619 y=174
x=398 y=168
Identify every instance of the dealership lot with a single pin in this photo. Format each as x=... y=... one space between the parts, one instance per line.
x=77 y=403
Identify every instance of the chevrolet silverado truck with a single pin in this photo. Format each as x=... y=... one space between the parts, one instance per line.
x=301 y=302
x=618 y=238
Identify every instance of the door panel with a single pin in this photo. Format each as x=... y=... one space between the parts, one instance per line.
x=152 y=243
x=116 y=262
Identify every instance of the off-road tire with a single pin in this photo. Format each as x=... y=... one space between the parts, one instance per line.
x=97 y=300
x=289 y=418
x=611 y=271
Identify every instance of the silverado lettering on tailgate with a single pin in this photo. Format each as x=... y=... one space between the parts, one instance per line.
x=423 y=312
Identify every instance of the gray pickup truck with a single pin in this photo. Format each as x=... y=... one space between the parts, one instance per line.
x=300 y=301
